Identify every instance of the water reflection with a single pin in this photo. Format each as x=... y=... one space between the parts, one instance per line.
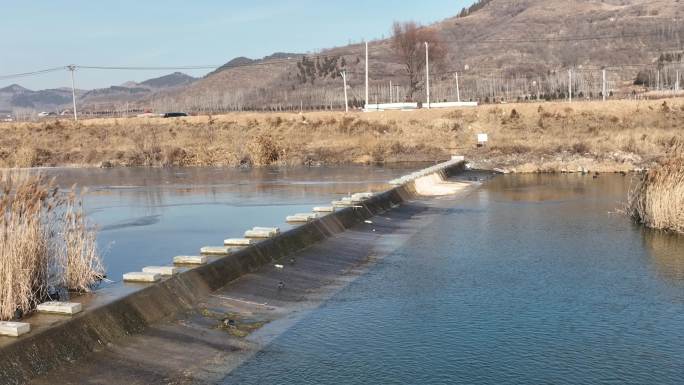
x=537 y=188
x=667 y=251
x=147 y=216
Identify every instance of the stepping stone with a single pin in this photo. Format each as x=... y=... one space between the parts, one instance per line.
x=258 y=234
x=275 y=230
x=361 y=196
x=190 y=260
x=343 y=203
x=262 y=232
x=66 y=308
x=14 y=329
x=217 y=250
x=240 y=242
x=327 y=209
x=141 y=277
x=297 y=218
x=161 y=270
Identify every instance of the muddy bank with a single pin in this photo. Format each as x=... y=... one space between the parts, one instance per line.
x=529 y=137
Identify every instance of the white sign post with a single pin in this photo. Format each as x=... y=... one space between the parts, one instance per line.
x=482 y=140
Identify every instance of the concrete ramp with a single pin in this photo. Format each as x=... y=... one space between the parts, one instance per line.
x=114 y=315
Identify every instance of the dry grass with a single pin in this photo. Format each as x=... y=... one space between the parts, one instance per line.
x=611 y=136
x=657 y=200
x=46 y=244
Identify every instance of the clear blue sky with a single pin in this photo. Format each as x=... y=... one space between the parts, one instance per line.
x=37 y=35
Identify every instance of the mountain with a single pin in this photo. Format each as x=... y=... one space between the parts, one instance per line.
x=501 y=49
x=132 y=92
x=14 y=88
x=504 y=49
x=168 y=81
x=17 y=97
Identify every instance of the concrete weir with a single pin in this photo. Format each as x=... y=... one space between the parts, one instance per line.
x=55 y=342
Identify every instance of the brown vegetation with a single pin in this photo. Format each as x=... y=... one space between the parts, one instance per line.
x=408 y=43
x=46 y=245
x=611 y=136
x=657 y=200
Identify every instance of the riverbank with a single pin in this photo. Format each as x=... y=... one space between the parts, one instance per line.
x=550 y=137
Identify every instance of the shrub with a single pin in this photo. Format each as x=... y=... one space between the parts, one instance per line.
x=263 y=150
x=657 y=200
x=46 y=243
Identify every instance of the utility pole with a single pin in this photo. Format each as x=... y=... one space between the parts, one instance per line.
x=346 y=101
x=604 y=84
x=677 y=83
x=570 y=85
x=391 y=99
x=366 y=74
x=72 y=68
x=458 y=91
x=427 y=72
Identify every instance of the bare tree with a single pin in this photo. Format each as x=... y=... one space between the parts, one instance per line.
x=408 y=43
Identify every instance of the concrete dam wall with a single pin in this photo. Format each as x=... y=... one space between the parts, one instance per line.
x=71 y=339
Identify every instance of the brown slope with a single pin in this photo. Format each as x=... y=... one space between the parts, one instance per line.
x=511 y=39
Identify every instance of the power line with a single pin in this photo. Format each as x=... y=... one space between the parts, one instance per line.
x=198 y=67
x=32 y=73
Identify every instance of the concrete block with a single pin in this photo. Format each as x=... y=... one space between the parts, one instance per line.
x=358 y=197
x=275 y=230
x=343 y=203
x=141 y=277
x=217 y=250
x=262 y=232
x=299 y=218
x=66 y=308
x=240 y=242
x=325 y=209
x=161 y=270
x=14 y=329
x=190 y=260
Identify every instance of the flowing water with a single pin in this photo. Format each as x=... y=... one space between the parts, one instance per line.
x=529 y=280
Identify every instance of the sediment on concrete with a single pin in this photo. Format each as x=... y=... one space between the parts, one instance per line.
x=38 y=352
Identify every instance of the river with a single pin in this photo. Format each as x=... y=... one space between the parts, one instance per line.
x=531 y=279
x=146 y=216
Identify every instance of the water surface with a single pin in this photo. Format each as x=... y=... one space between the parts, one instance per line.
x=529 y=280
x=147 y=216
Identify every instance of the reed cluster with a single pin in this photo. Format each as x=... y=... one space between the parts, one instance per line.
x=657 y=200
x=46 y=245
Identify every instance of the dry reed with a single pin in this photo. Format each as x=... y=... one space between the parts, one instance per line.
x=610 y=136
x=45 y=243
x=657 y=200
